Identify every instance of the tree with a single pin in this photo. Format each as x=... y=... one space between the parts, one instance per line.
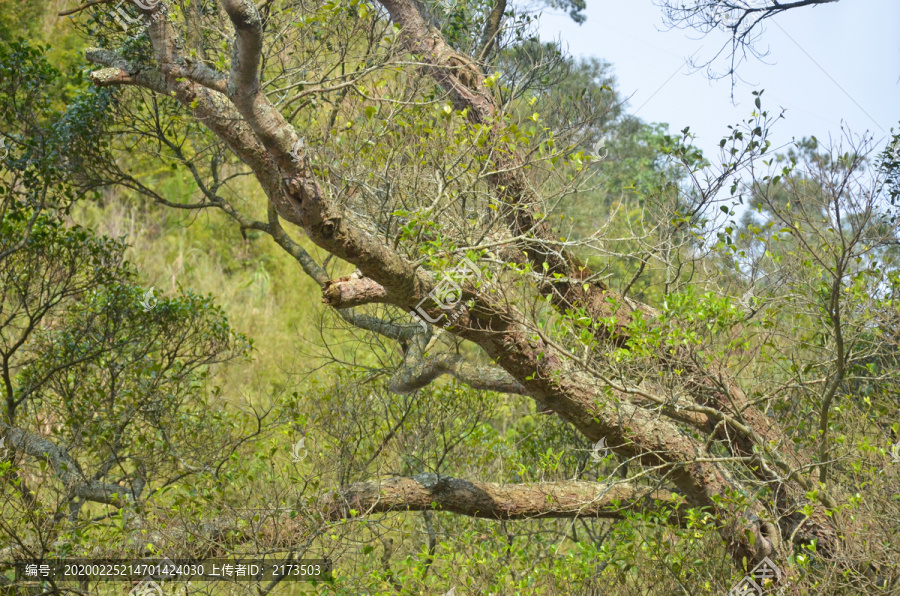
x=101 y=384
x=102 y=380
x=433 y=174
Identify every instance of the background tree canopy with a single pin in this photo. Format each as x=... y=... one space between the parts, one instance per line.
x=399 y=285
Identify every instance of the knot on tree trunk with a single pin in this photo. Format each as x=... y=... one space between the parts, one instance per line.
x=754 y=539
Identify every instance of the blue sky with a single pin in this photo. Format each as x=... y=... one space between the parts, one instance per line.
x=828 y=65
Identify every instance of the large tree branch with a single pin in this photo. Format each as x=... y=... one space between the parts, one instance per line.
x=123 y=72
x=427 y=492
x=276 y=528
